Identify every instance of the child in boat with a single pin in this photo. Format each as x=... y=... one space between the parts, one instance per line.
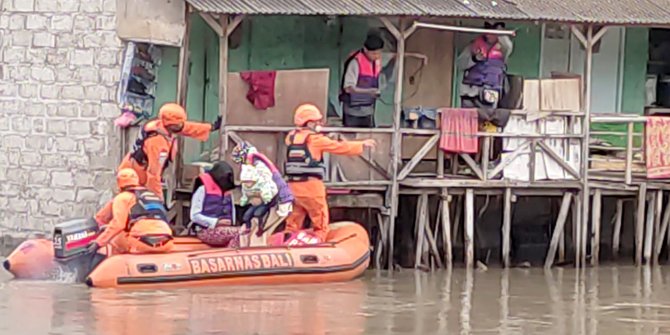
x=213 y=208
x=259 y=190
x=246 y=153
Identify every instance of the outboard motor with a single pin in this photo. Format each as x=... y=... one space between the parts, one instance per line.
x=70 y=240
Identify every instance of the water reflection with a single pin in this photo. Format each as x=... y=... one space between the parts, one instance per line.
x=624 y=300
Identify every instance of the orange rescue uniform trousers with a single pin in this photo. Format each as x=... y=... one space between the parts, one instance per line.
x=157 y=150
x=310 y=195
x=124 y=241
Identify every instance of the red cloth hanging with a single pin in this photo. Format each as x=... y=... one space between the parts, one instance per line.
x=657 y=140
x=459 y=128
x=261 y=88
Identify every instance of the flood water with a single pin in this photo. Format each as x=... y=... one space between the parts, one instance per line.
x=617 y=300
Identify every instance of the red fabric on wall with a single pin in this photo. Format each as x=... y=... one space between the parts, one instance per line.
x=261 y=88
x=459 y=128
x=657 y=147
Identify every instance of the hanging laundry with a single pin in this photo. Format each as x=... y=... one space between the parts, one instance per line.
x=459 y=130
x=657 y=141
x=261 y=88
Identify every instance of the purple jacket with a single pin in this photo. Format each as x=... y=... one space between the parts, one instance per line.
x=284 y=194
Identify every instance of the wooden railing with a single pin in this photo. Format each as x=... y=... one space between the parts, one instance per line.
x=613 y=166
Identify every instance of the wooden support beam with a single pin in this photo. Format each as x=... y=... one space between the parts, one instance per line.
x=639 y=223
x=416 y=159
x=469 y=228
x=511 y=157
x=486 y=155
x=182 y=88
x=432 y=242
x=396 y=139
x=616 y=238
x=649 y=228
x=507 y=228
x=596 y=223
x=233 y=24
x=586 y=128
x=558 y=159
x=558 y=230
x=577 y=230
x=375 y=166
x=473 y=165
x=629 y=154
x=663 y=231
x=658 y=238
x=223 y=85
x=421 y=219
x=382 y=241
x=212 y=23
x=446 y=228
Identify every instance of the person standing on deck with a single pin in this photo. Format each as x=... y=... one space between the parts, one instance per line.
x=485 y=64
x=156 y=146
x=364 y=79
x=305 y=169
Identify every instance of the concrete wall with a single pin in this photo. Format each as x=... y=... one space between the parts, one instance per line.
x=58 y=77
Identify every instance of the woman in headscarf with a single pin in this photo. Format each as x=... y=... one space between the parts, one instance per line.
x=213 y=208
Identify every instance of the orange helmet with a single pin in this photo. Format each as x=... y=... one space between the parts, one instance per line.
x=306 y=113
x=127 y=178
x=172 y=114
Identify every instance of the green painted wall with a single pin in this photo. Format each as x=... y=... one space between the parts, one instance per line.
x=263 y=43
x=636 y=56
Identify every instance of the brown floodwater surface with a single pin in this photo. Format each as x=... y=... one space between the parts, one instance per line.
x=607 y=300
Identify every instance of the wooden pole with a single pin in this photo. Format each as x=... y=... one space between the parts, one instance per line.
x=658 y=238
x=616 y=239
x=649 y=229
x=420 y=229
x=486 y=152
x=396 y=140
x=223 y=85
x=629 y=154
x=595 y=226
x=558 y=230
x=446 y=228
x=586 y=129
x=507 y=227
x=577 y=230
x=182 y=88
x=664 y=229
x=639 y=223
x=469 y=228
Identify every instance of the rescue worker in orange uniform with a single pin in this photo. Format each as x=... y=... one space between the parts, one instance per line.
x=156 y=146
x=305 y=169
x=139 y=223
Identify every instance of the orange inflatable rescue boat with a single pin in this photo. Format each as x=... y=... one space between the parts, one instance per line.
x=344 y=256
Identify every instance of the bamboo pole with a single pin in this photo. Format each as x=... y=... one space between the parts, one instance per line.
x=558 y=230
x=469 y=228
x=639 y=223
x=507 y=227
x=596 y=223
x=616 y=239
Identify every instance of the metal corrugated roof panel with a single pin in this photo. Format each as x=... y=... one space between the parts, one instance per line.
x=590 y=11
